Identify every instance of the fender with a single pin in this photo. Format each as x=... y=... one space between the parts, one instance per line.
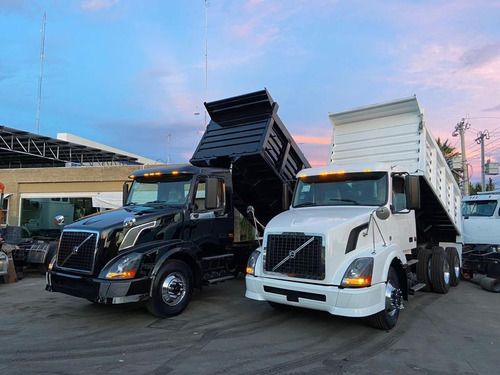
x=186 y=251
x=397 y=257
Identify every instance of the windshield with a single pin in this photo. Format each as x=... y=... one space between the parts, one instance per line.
x=479 y=208
x=366 y=189
x=174 y=191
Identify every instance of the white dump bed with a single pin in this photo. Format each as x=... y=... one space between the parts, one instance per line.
x=395 y=133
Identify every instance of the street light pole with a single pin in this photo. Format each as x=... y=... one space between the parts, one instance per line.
x=168 y=148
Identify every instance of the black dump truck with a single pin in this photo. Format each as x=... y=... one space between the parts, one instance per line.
x=175 y=231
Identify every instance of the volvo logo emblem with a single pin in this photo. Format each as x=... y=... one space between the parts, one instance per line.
x=75 y=249
x=291 y=254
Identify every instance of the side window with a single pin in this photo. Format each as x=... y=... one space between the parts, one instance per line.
x=5 y=211
x=398 y=194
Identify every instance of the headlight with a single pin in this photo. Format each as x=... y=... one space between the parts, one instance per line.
x=125 y=268
x=252 y=261
x=358 y=274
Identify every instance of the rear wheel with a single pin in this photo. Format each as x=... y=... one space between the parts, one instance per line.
x=424 y=268
x=387 y=318
x=454 y=261
x=172 y=290
x=440 y=270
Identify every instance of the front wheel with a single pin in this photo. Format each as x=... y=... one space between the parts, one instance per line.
x=387 y=318
x=172 y=290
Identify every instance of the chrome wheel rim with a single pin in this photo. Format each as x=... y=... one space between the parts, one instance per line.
x=456 y=268
x=393 y=298
x=173 y=289
x=446 y=271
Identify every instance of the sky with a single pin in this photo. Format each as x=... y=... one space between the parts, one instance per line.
x=134 y=74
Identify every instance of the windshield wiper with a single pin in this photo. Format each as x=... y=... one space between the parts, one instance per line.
x=345 y=200
x=306 y=204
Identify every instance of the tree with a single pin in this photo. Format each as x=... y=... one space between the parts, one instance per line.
x=474 y=189
x=449 y=152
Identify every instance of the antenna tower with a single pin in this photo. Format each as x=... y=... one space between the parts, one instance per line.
x=42 y=55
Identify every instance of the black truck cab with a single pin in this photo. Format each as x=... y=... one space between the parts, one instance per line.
x=181 y=213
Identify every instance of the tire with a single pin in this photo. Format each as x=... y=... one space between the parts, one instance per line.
x=490 y=284
x=454 y=260
x=172 y=290
x=387 y=318
x=424 y=257
x=279 y=306
x=440 y=270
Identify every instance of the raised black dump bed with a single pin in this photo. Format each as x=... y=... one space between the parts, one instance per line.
x=246 y=134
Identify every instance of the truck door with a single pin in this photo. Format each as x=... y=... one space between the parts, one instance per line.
x=210 y=222
x=404 y=218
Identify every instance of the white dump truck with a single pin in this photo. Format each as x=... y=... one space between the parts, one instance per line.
x=381 y=221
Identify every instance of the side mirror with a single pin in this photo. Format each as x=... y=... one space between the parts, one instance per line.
x=251 y=211
x=59 y=220
x=286 y=198
x=211 y=194
x=382 y=213
x=412 y=188
x=126 y=191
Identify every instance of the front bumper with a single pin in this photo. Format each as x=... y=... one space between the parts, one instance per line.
x=99 y=290
x=352 y=302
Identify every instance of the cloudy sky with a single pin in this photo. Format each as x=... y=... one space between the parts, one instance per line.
x=128 y=73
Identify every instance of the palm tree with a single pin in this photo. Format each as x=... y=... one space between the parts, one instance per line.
x=449 y=152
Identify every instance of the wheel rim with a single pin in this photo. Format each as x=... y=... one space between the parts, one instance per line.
x=173 y=289
x=446 y=271
x=456 y=268
x=393 y=298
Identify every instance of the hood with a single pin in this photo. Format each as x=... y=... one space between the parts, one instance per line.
x=321 y=220
x=114 y=218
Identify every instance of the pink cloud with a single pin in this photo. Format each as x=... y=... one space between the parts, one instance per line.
x=312 y=140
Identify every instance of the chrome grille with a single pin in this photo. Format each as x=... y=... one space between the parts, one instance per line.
x=82 y=259
x=308 y=262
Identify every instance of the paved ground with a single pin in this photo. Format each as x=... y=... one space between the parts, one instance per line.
x=221 y=332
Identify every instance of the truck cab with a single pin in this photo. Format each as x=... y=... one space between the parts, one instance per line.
x=179 y=215
x=481 y=214
x=333 y=249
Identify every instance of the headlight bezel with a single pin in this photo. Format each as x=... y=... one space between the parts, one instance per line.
x=252 y=262
x=359 y=273
x=124 y=268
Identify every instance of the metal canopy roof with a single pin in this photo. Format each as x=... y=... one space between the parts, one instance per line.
x=21 y=149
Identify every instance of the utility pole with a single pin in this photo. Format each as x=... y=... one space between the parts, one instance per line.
x=42 y=55
x=480 y=140
x=460 y=129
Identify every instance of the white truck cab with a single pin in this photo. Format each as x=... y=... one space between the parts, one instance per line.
x=481 y=214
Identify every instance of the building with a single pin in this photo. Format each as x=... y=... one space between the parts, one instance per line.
x=68 y=175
